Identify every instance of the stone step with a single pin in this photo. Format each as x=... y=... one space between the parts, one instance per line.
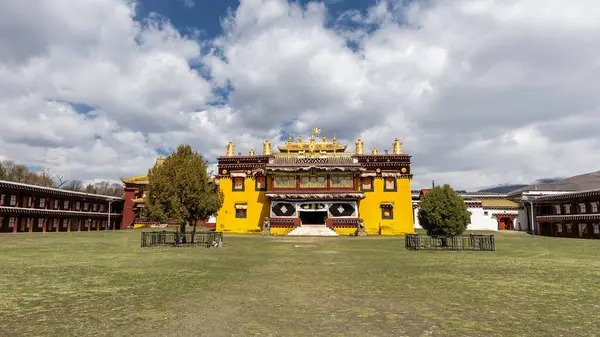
x=313 y=230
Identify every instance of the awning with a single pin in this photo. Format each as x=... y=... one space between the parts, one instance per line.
x=241 y=206
x=387 y=204
x=238 y=174
x=368 y=174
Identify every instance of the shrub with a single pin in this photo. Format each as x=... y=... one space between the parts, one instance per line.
x=443 y=212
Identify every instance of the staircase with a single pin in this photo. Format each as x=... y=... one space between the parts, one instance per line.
x=312 y=230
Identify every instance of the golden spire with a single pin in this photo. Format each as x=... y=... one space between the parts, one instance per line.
x=374 y=151
x=397 y=146
x=251 y=152
x=230 y=149
x=267 y=148
x=359 y=147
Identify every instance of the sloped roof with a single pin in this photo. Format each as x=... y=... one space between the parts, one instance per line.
x=498 y=203
x=582 y=182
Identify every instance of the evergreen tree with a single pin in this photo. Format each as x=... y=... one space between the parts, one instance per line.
x=443 y=212
x=180 y=189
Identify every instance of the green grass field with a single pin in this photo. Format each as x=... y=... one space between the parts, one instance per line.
x=104 y=284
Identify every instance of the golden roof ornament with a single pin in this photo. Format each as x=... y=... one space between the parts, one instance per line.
x=230 y=149
x=312 y=145
x=267 y=148
x=374 y=151
x=397 y=146
x=359 y=147
x=251 y=152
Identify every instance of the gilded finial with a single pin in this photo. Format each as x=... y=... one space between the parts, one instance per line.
x=397 y=146
x=251 y=152
x=300 y=139
x=374 y=151
x=266 y=148
x=289 y=138
x=324 y=139
x=230 y=149
x=359 y=147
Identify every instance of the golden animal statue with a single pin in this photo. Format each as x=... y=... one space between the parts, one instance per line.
x=397 y=146
x=230 y=149
x=359 y=147
x=266 y=148
x=374 y=151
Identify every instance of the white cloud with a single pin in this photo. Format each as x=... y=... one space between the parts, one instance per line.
x=481 y=92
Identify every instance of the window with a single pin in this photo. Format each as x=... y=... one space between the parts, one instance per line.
x=389 y=184
x=87 y=223
x=284 y=181
x=42 y=202
x=596 y=228
x=238 y=184
x=40 y=223
x=77 y=206
x=260 y=183
x=86 y=206
x=559 y=228
x=55 y=223
x=567 y=209
x=582 y=208
x=313 y=182
x=557 y=209
x=95 y=207
x=56 y=204
x=241 y=211
x=30 y=202
x=11 y=222
x=366 y=184
x=13 y=200
x=29 y=222
x=569 y=228
x=485 y=212
x=2 y=200
x=66 y=204
x=387 y=211
x=65 y=222
x=594 y=207
x=341 y=181
x=102 y=208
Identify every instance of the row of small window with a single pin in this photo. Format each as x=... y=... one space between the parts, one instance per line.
x=582 y=208
x=42 y=203
x=40 y=222
x=569 y=228
x=367 y=184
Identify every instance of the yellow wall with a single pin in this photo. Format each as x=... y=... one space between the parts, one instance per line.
x=258 y=208
x=369 y=209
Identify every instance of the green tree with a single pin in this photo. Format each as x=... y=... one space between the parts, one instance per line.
x=180 y=189
x=443 y=212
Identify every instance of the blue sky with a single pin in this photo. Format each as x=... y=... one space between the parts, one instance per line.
x=205 y=15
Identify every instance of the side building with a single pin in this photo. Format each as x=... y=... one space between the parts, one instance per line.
x=489 y=211
x=30 y=208
x=563 y=208
x=316 y=182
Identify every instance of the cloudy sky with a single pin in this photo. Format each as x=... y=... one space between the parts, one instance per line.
x=482 y=92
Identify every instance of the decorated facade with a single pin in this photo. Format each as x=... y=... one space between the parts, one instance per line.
x=316 y=182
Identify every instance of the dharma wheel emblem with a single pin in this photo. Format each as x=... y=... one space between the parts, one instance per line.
x=224 y=171
x=403 y=170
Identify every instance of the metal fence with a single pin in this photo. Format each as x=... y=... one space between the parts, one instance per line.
x=473 y=242
x=177 y=239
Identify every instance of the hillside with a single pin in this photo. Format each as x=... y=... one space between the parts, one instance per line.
x=506 y=188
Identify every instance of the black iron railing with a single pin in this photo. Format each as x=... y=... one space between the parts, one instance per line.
x=177 y=239
x=473 y=242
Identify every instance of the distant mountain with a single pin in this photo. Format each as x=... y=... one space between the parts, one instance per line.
x=506 y=188
x=503 y=188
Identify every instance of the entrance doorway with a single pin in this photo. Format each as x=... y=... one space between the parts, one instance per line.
x=505 y=223
x=313 y=217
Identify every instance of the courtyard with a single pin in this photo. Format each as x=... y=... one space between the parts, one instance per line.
x=99 y=283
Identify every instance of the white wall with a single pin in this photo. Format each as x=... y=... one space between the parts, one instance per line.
x=479 y=220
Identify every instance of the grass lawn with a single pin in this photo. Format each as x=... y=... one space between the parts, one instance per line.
x=79 y=284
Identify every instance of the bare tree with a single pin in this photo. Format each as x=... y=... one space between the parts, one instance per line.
x=75 y=185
